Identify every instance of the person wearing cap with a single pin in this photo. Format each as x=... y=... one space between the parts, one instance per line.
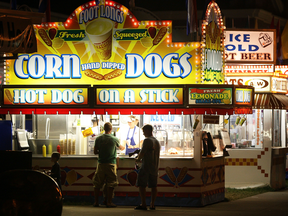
x=133 y=137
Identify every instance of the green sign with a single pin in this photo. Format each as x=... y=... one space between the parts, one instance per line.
x=207 y=96
x=71 y=35
x=130 y=34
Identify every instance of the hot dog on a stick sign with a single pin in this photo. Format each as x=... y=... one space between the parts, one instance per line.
x=105 y=44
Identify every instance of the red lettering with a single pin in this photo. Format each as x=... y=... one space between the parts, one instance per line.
x=240 y=82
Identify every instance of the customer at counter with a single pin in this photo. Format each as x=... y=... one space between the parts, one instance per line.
x=148 y=173
x=105 y=147
x=130 y=136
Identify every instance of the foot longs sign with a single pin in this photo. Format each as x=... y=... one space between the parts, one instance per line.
x=104 y=44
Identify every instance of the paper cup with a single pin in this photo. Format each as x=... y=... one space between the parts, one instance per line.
x=99 y=32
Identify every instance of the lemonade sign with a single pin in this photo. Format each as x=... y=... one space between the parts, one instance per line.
x=207 y=96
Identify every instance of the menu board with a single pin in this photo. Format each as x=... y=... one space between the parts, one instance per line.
x=225 y=137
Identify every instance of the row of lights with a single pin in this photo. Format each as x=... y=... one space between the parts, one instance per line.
x=249 y=67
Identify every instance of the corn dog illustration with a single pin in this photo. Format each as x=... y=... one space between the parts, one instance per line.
x=43 y=34
x=113 y=74
x=170 y=174
x=161 y=33
x=159 y=36
x=9 y=96
x=93 y=74
x=182 y=174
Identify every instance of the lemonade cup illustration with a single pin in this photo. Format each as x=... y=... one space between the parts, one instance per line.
x=99 y=32
x=237 y=120
x=243 y=119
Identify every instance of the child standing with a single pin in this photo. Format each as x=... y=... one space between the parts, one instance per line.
x=55 y=171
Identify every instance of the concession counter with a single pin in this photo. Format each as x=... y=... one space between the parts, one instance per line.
x=129 y=73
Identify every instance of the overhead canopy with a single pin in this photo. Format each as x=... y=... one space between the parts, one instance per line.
x=270 y=101
x=136 y=111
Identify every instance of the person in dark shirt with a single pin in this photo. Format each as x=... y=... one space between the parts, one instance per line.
x=55 y=171
x=148 y=173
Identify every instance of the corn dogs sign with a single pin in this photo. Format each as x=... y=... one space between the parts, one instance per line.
x=106 y=45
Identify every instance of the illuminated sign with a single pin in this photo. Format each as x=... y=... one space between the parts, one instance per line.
x=249 y=69
x=261 y=84
x=208 y=96
x=281 y=69
x=212 y=46
x=45 y=96
x=250 y=46
x=279 y=85
x=139 y=96
x=106 y=45
x=243 y=96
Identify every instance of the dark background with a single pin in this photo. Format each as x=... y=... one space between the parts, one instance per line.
x=68 y=6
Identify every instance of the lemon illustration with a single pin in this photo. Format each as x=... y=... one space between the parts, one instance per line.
x=227 y=100
x=146 y=42
x=57 y=43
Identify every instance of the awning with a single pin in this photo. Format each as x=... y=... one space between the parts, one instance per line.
x=270 y=101
x=135 y=111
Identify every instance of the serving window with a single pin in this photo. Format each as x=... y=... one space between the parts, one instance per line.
x=246 y=131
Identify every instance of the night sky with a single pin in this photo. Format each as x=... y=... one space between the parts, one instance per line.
x=68 y=6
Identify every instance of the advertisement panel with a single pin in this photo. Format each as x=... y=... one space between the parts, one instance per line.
x=279 y=85
x=261 y=84
x=247 y=46
x=139 y=96
x=208 y=96
x=50 y=96
x=212 y=46
x=106 y=45
x=243 y=96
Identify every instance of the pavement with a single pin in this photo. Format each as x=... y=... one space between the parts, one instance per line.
x=266 y=204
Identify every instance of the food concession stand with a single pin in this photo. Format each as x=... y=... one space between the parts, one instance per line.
x=260 y=144
x=101 y=65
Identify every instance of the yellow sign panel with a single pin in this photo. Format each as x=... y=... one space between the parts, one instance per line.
x=212 y=46
x=106 y=45
x=45 y=96
x=140 y=96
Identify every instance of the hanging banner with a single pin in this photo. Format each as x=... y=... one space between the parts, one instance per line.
x=253 y=46
x=139 y=96
x=45 y=96
x=106 y=45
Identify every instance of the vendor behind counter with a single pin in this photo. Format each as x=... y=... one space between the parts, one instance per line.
x=130 y=135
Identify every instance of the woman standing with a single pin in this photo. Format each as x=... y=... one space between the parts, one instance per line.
x=132 y=136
